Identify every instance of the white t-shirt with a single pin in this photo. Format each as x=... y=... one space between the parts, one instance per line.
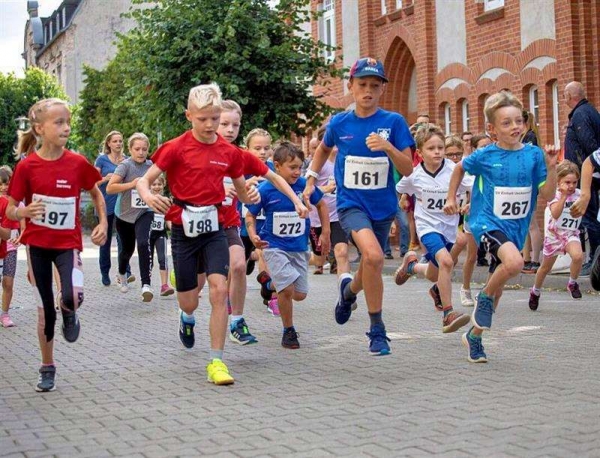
x=330 y=199
x=431 y=190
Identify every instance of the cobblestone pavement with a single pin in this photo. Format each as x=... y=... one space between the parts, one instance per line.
x=128 y=388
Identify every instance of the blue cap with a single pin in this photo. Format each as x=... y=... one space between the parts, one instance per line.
x=367 y=66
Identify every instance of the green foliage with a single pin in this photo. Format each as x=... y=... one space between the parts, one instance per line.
x=18 y=95
x=258 y=55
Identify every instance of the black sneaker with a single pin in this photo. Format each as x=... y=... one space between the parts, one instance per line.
x=483 y=262
x=263 y=278
x=573 y=288
x=290 y=339
x=534 y=300
x=594 y=271
x=70 y=326
x=250 y=266
x=46 y=379
x=186 y=332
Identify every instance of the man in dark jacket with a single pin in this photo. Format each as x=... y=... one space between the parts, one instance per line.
x=582 y=139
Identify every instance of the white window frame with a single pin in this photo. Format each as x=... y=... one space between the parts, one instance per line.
x=555 y=119
x=383 y=8
x=329 y=27
x=534 y=103
x=489 y=5
x=398 y=4
x=464 y=108
x=447 y=119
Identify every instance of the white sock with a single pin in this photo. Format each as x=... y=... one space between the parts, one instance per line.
x=236 y=318
x=572 y=280
x=535 y=291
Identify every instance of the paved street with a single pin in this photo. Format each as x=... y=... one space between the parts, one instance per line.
x=128 y=388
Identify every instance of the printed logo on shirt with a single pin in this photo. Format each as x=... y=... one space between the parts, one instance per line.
x=220 y=163
x=274 y=201
x=347 y=137
x=496 y=165
x=384 y=133
x=63 y=184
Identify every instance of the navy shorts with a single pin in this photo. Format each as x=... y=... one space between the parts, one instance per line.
x=355 y=219
x=434 y=242
x=492 y=241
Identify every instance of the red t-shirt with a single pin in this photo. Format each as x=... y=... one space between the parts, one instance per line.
x=252 y=166
x=3 y=219
x=63 y=178
x=195 y=170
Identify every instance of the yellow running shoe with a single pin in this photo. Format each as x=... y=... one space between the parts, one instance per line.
x=218 y=373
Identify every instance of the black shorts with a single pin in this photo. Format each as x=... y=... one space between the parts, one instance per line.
x=492 y=241
x=338 y=235
x=233 y=236
x=315 y=243
x=193 y=255
x=248 y=246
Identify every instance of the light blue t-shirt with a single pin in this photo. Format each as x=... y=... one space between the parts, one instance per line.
x=283 y=228
x=365 y=178
x=505 y=190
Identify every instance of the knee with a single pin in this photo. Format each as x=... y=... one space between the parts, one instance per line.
x=577 y=257
x=373 y=259
x=445 y=262
x=287 y=293
x=299 y=296
x=237 y=267
x=340 y=250
x=514 y=265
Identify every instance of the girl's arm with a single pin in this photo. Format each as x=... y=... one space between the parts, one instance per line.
x=116 y=185
x=557 y=207
x=99 y=232
x=285 y=188
x=104 y=178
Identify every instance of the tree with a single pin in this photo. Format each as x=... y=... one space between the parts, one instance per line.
x=18 y=95
x=258 y=55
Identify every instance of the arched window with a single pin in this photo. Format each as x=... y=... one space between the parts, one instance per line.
x=464 y=109
x=534 y=106
x=555 y=123
x=447 y=119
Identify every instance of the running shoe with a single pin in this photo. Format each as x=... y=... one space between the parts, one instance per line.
x=454 y=321
x=534 y=300
x=466 y=298
x=186 y=332
x=475 y=347
x=130 y=278
x=530 y=267
x=46 y=380
x=290 y=339
x=482 y=314
x=123 y=286
x=333 y=266
x=318 y=270
x=70 y=327
x=166 y=290
x=434 y=292
x=402 y=272
x=343 y=308
x=273 y=306
x=147 y=294
x=6 y=321
x=378 y=345
x=263 y=278
x=217 y=373
x=389 y=256
x=483 y=262
x=250 y=266
x=574 y=290
x=240 y=333
x=105 y=279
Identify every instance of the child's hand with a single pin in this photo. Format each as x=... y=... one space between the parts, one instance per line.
x=404 y=203
x=325 y=242
x=328 y=188
x=466 y=209
x=99 y=235
x=230 y=191
x=159 y=204
x=253 y=194
x=308 y=191
x=301 y=210
x=35 y=210
x=551 y=154
x=253 y=181
x=258 y=243
x=580 y=205
x=377 y=143
x=451 y=207
x=564 y=189
x=134 y=183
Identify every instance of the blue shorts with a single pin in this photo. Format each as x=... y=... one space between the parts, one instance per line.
x=354 y=219
x=434 y=242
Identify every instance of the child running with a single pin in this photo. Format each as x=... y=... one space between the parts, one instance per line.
x=371 y=142
x=562 y=233
x=50 y=181
x=284 y=236
x=508 y=178
x=159 y=240
x=436 y=230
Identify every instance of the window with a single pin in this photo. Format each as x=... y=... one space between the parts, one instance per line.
x=556 y=127
x=328 y=29
x=534 y=104
x=489 y=5
x=465 y=115
x=383 y=7
x=398 y=4
x=447 y=119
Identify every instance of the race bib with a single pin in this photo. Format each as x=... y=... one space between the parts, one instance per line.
x=433 y=200
x=158 y=224
x=566 y=221
x=227 y=182
x=136 y=200
x=288 y=224
x=60 y=212
x=200 y=220
x=512 y=203
x=366 y=173
x=330 y=181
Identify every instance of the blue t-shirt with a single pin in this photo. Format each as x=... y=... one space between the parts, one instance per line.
x=242 y=209
x=505 y=190
x=106 y=166
x=283 y=228
x=365 y=178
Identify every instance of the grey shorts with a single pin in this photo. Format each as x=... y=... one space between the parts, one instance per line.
x=288 y=268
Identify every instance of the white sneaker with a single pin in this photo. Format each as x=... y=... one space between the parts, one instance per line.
x=123 y=284
x=466 y=298
x=147 y=293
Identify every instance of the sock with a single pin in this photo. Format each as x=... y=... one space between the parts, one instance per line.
x=572 y=280
x=376 y=318
x=215 y=354
x=348 y=294
x=235 y=319
x=188 y=318
x=447 y=309
x=291 y=328
x=410 y=269
x=535 y=291
x=473 y=336
x=48 y=365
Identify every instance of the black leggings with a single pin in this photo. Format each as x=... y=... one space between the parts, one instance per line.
x=131 y=233
x=158 y=239
x=70 y=271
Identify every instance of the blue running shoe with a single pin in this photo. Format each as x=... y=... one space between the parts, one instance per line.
x=484 y=309
x=379 y=341
x=240 y=333
x=186 y=332
x=475 y=347
x=343 y=308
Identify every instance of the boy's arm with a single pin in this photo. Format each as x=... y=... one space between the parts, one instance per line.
x=240 y=187
x=100 y=231
x=251 y=227
x=451 y=207
x=580 y=205
x=285 y=188
x=325 y=237
x=156 y=202
x=548 y=189
x=402 y=160
x=319 y=159
x=4 y=233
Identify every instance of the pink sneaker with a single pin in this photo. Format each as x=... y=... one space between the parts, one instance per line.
x=6 y=321
x=273 y=306
x=166 y=290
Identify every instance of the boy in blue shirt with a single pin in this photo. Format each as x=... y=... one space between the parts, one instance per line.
x=371 y=143
x=283 y=236
x=508 y=177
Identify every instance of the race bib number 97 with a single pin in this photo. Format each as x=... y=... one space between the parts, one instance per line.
x=136 y=200
x=200 y=220
x=288 y=224
x=512 y=203
x=60 y=212
x=366 y=173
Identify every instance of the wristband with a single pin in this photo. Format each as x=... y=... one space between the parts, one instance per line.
x=311 y=173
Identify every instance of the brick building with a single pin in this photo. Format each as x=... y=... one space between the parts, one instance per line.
x=445 y=57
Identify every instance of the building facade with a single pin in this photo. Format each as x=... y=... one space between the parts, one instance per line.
x=445 y=57
x=78 y=33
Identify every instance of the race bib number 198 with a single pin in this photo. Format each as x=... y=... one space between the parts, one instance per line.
x=512 y=203
x=60 y=212
x=200 y=220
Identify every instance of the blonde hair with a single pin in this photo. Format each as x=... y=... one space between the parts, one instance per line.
x=566 y=168
x=530 y=124
x=204 y=96
x=427 y=131
x=137 y=136
x=258 y=132
x=5 y=174
x=500 y=100
x=454 y=140
x=231 y=105
x=161 y=179
x=28 y=139
x=109 y=136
